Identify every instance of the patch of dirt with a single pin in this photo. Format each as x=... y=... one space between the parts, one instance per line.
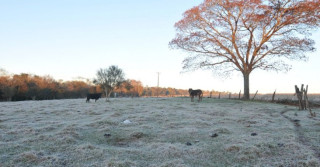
x=137 y=135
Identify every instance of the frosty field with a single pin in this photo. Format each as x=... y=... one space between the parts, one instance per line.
x=156 y=132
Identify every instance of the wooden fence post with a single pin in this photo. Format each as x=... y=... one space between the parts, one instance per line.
x=274 y=94
x=302 y=96
x=255 y=95
x=304 y=104
x=305 y=91
x=299 y=95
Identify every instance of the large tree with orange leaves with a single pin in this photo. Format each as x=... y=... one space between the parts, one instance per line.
x=243 y=35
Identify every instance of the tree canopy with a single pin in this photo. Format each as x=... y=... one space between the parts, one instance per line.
x=244 y=35
x=110 y=79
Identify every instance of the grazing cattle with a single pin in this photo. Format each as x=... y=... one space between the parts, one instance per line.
x=95 y=96
x=197 y=92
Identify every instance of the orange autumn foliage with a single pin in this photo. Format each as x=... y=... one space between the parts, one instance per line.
x=244 y=35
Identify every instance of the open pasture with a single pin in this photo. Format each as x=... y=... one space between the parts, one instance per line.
x=157 y=132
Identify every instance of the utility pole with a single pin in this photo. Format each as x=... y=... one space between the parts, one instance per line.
x=158 y=84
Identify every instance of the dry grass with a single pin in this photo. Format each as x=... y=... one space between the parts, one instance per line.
x=163 y=132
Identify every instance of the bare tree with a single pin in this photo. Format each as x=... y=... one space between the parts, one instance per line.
x=109 y=79
x=243 y=35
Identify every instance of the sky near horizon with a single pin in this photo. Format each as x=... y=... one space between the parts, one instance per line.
x=67 y=39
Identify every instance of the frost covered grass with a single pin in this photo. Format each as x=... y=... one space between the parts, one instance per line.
x=157 y=132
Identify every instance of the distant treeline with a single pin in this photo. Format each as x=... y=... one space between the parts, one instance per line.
x=23 y=86
x=33 y=87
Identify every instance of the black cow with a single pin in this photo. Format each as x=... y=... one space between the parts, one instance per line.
x=197 y=92
x=95 y=96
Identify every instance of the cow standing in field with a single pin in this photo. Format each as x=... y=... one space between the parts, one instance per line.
x=197 y=92
x=95 y=96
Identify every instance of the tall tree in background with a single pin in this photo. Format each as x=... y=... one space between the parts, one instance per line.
x=243 y=35
x=109 y=79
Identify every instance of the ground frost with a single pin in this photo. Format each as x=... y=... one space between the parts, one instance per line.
x=156 y=132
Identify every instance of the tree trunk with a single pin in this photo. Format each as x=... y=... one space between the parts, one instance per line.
x=246 y=91
x=107 y=98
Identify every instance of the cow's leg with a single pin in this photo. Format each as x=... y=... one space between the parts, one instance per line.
x=88 y=100
x=192 y=97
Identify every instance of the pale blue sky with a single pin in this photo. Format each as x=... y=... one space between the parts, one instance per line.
x=70 y=38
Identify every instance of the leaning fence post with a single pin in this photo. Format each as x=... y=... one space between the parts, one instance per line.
x=255 y=95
